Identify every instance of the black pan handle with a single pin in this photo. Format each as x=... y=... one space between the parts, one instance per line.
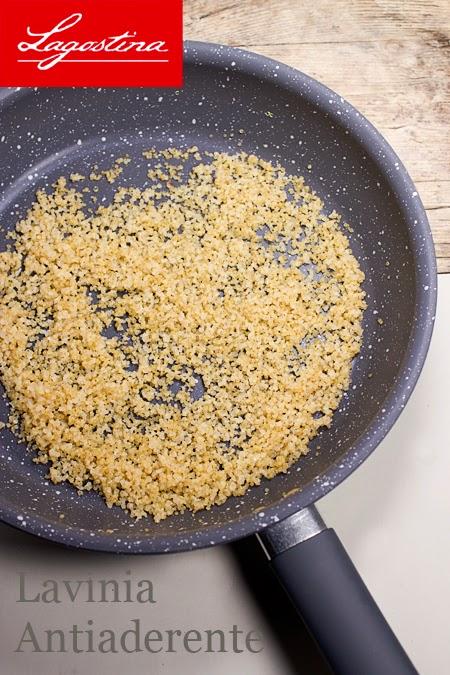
x=327 y=591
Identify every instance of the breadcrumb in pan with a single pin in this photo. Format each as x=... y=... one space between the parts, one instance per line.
x=183 y=342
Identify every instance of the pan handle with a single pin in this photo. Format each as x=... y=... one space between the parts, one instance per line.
x=327 y=591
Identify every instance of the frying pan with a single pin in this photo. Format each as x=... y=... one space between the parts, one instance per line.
x=235 y=100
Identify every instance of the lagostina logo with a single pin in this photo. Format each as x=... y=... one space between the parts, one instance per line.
x=91 y=43
x=49 y=50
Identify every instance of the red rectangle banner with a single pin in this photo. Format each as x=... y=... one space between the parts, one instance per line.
x=120 y=43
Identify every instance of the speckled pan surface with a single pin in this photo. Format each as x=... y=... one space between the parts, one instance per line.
x=233 y=99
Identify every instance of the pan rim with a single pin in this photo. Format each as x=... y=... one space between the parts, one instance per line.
x=390 y=166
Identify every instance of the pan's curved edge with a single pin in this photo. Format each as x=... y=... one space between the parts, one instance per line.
x=381 y=153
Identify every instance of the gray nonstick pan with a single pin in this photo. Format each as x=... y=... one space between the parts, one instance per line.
x=230 y=97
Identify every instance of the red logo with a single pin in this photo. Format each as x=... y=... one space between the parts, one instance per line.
x=126 y=43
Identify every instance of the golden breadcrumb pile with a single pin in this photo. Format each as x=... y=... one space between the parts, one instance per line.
x=177 y=345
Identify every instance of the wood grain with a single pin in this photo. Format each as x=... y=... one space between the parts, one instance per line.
x=389 y=58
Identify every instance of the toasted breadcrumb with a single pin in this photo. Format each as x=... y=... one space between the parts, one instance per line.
x=110 y=174
x=183 y=342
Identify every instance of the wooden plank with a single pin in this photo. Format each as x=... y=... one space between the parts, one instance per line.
x=322 y=21
x=443 y=265
x=389 y=58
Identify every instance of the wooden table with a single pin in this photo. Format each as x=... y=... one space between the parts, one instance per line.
x=389 y=58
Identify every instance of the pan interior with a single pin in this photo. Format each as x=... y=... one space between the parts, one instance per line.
x=46 y=133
